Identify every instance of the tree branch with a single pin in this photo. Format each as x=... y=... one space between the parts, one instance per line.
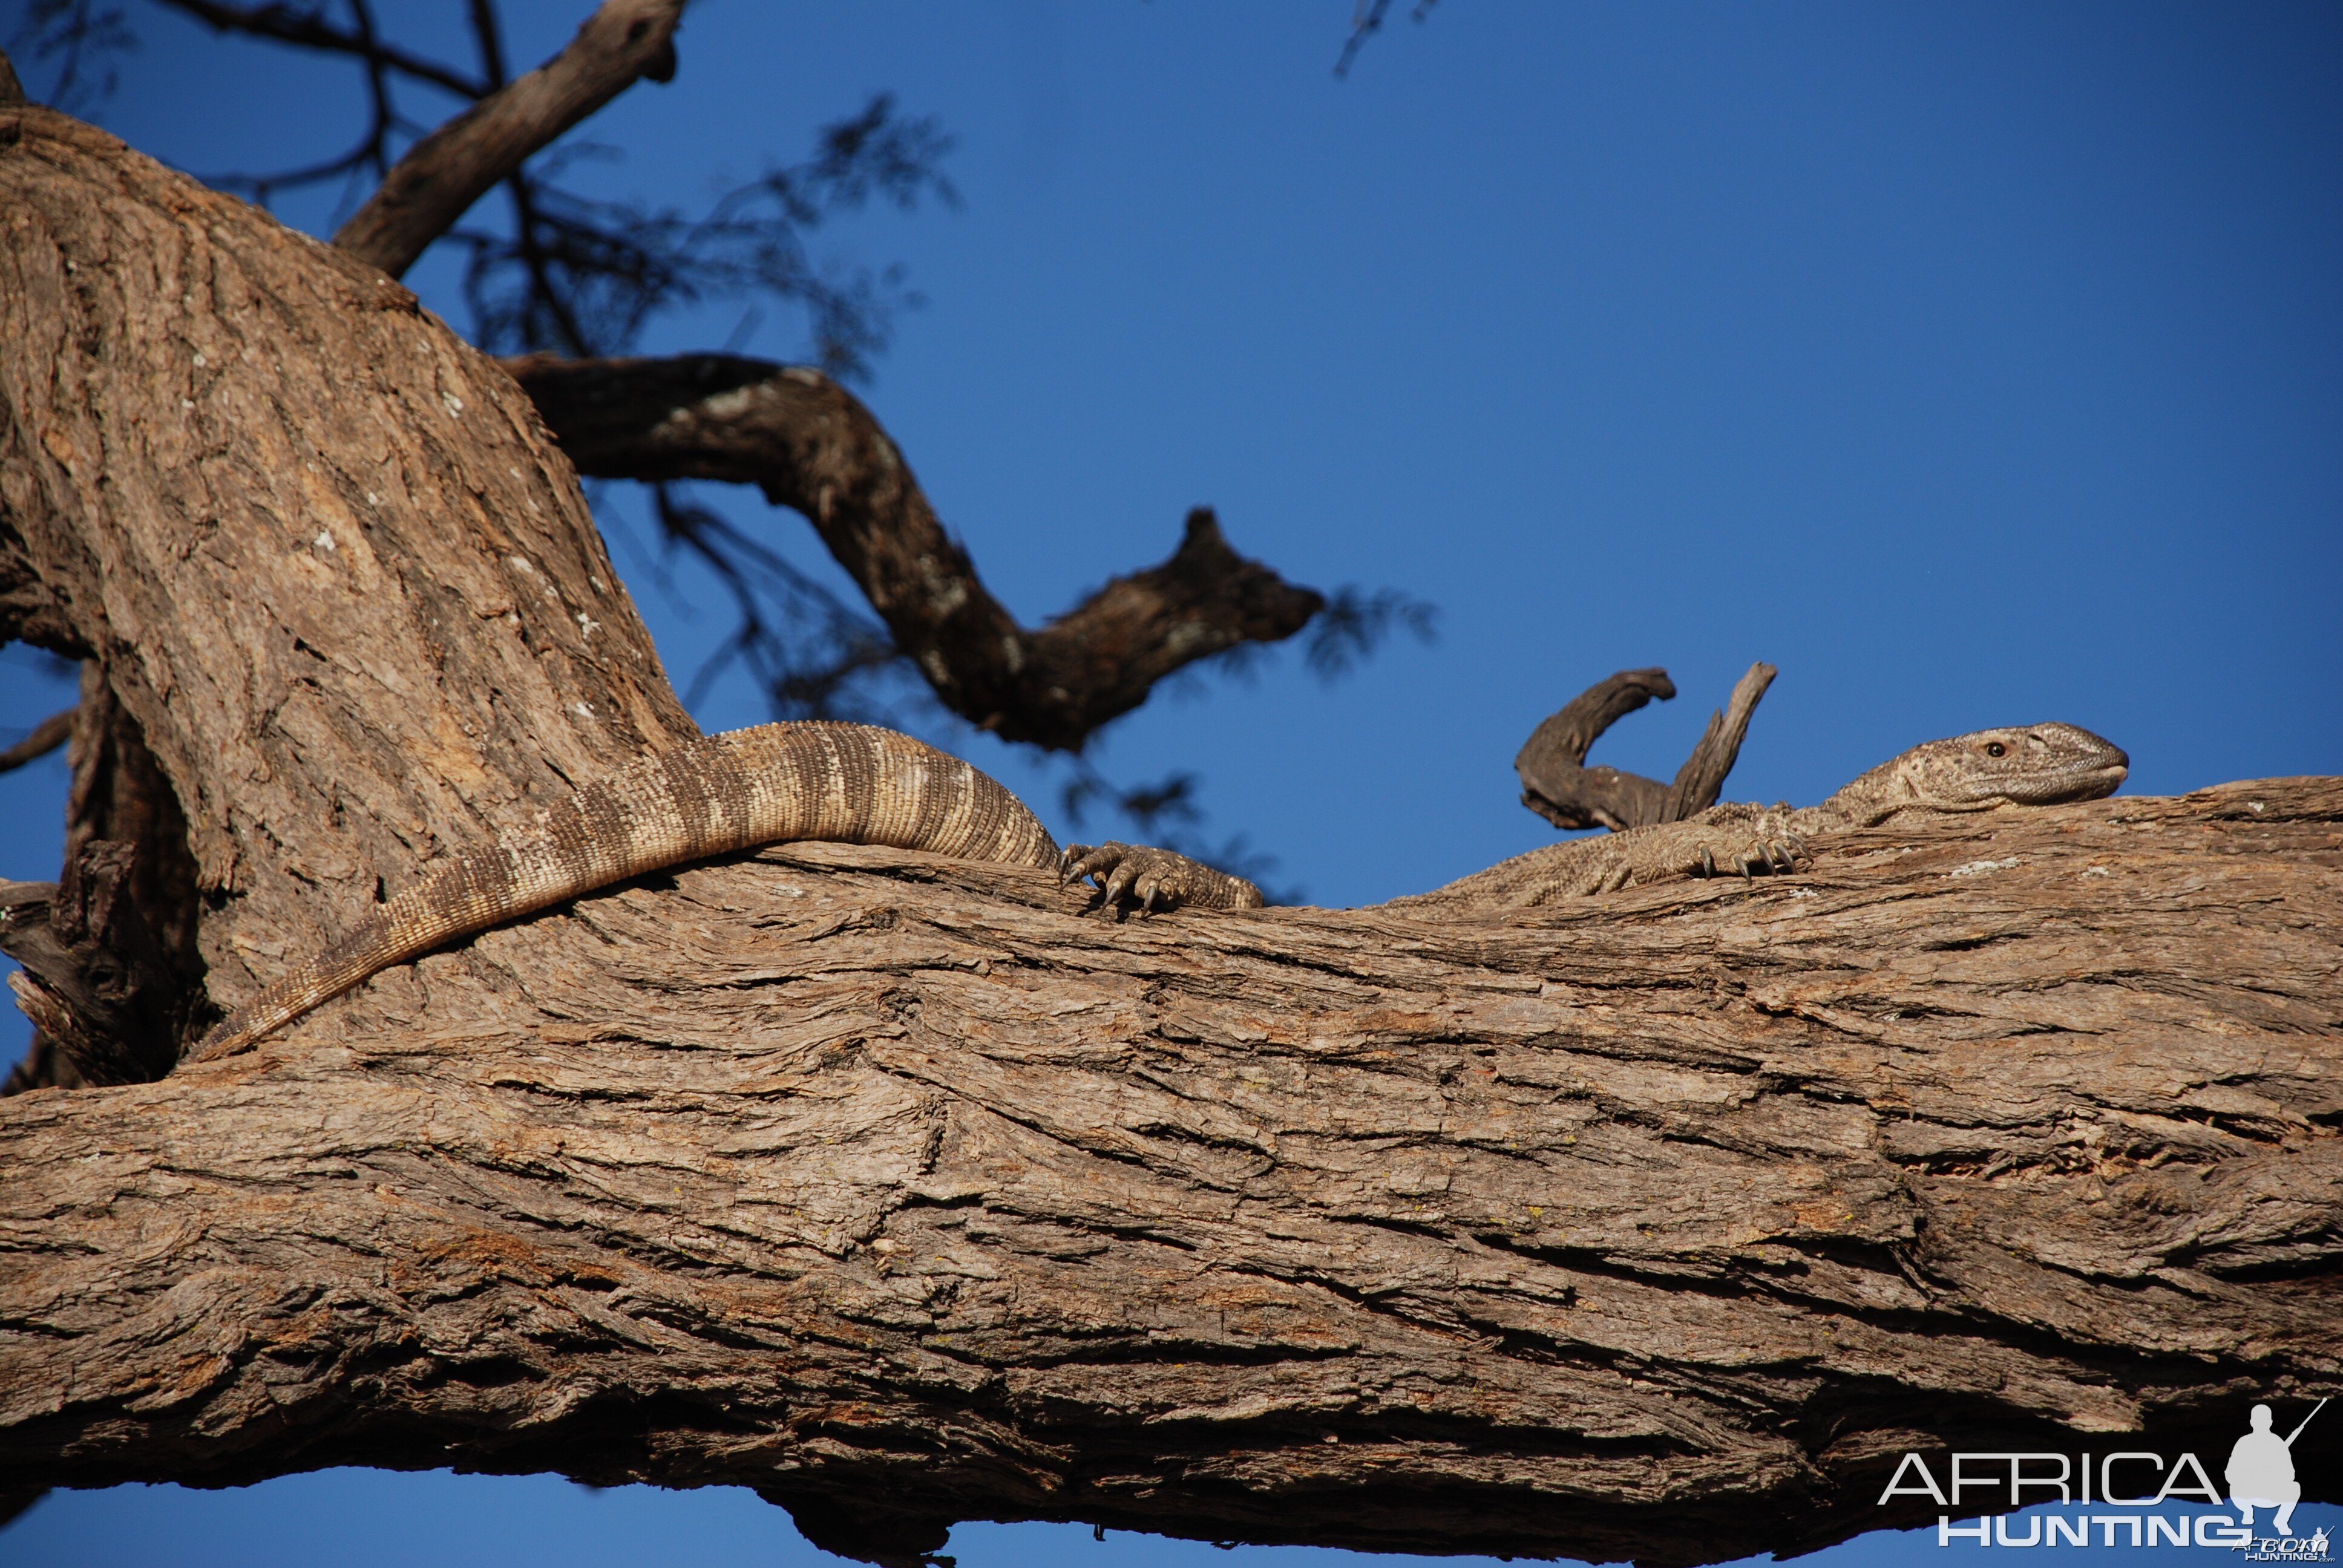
x=1366 y=21
x=47 y=735
x=95 y=983
x=247 y=609
x=1558 y=786
x=894 y=1188
x=1702 y=777
x=448 y=170
x=811 y=444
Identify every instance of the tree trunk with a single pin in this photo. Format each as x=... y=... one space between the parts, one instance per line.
x=902 y=1190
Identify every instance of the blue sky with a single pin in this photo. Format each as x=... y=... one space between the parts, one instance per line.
x=1974 y=365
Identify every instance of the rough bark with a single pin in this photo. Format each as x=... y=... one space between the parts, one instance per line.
x=448 y=170
x=898 y=1190
x=811 y=444
x=333 y=569
x=895 y=1187
x=112 y=974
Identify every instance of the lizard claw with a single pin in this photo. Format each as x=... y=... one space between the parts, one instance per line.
x=1734 y=845
x=1153 y=881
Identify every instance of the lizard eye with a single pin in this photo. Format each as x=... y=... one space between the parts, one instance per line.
x=1996 y=748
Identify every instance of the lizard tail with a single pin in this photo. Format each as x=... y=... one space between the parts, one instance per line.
x=847 y=783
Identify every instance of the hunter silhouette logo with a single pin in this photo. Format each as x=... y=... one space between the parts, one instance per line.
x=2261 y=1472
x=2126 y=1498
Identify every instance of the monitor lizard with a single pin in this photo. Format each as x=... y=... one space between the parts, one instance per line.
x=856 y=784
x=2028 y=765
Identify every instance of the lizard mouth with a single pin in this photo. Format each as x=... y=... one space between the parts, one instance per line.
x=2084 y=781
x=2097 y=783
x=2093 y=782
x=2095 y=768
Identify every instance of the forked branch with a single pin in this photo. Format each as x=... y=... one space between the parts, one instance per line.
x=1558 y=786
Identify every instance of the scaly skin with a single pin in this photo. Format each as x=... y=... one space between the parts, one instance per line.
x=722 y=794
x=2032 y=765
x=853 y=784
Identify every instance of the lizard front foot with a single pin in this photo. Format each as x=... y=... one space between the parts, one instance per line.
x=1151 y=879
x=1734 y=845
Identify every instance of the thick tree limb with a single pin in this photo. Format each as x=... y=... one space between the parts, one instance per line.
x=896 y=1188
x=1558 y=786
x=448 y=170
x=899 y=1191
x=811 y=444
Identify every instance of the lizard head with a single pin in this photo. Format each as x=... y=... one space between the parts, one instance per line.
x=2026 y=765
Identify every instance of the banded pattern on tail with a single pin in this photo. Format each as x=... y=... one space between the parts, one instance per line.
x=847 y=783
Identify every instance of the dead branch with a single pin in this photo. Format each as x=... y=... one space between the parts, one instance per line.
x=1702 y=777
x=41 y=1067
x=47 y=735
x=812 y=446
x=444 y=172
x=894 y=1188
x=1557 y=785
x=95 y=981
x=112 y=977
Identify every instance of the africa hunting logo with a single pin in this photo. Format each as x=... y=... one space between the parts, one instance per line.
x=2261 y=1473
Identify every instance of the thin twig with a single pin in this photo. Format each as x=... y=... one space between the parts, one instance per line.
x=309 y=30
